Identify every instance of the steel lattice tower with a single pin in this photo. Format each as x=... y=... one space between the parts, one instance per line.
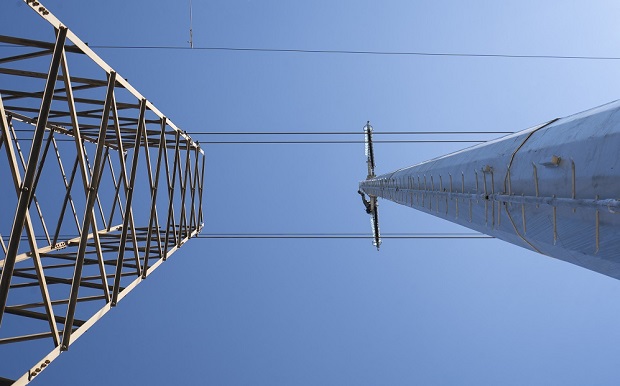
x=98 y=189
x=553 y=188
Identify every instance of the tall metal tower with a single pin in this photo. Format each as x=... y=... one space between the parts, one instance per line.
x=98 y=189
x=553 y=188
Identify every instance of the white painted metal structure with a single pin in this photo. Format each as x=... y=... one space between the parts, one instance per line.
x=75 y=244
x=553 y=188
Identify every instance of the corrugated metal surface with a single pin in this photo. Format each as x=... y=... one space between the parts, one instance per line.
x=552 y=188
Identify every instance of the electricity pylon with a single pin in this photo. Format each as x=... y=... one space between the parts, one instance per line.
x=553 y=188
x=108 y=190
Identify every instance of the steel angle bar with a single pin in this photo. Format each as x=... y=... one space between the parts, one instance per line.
x=42 y=283
x=194 y=218
x=30 y=55
x=154 y=220
x=130 y=191
x=68 y=199
x=123 y=167
x=80 y=262
x=23 y=163
x=34 y=43
x=117 y=187
x=171 y=221
x=149 y=173
x=43 y=75
x=89 y=218
x=24 y=195
x=83 y=47
x=201 y=185
x=82 y=158
x=183 y=225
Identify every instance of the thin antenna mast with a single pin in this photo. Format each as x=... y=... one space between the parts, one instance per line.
x=371 y=204
x=191 y=30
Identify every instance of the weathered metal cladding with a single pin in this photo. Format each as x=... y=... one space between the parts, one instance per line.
x=553 y=188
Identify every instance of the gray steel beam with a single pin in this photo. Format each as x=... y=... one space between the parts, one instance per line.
x=74 y=257
x=89 y=217
x=26 y=190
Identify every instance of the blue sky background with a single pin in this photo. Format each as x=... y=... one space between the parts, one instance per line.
x=337 y=312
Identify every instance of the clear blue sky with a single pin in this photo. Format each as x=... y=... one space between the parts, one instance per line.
x=337 y=312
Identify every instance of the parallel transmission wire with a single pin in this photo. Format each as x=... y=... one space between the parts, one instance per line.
x=324 y=133
x=343 y=236
x=360 y=133
x=439 y=235
x=342 y=52
x=357 y=52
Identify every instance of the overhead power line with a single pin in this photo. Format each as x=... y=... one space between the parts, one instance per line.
x=326 y=142
x=347 y=132
x=334 y=142
x=441 y=235
x=358 y=133
x=325 y=133
x=346 y=52
x=360 y=52
x=325 y=236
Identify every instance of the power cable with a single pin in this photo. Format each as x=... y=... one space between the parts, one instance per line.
x=361 y=52
x=344 y=52
x=336 y=236
x=440 y=235
x=204 y=142
x=347 y=132
x=360 y=133
x=334 y=142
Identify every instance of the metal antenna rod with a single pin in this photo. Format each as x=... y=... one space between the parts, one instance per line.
x=191 y=30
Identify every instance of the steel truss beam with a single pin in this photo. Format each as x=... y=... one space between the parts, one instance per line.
x=89 y=240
